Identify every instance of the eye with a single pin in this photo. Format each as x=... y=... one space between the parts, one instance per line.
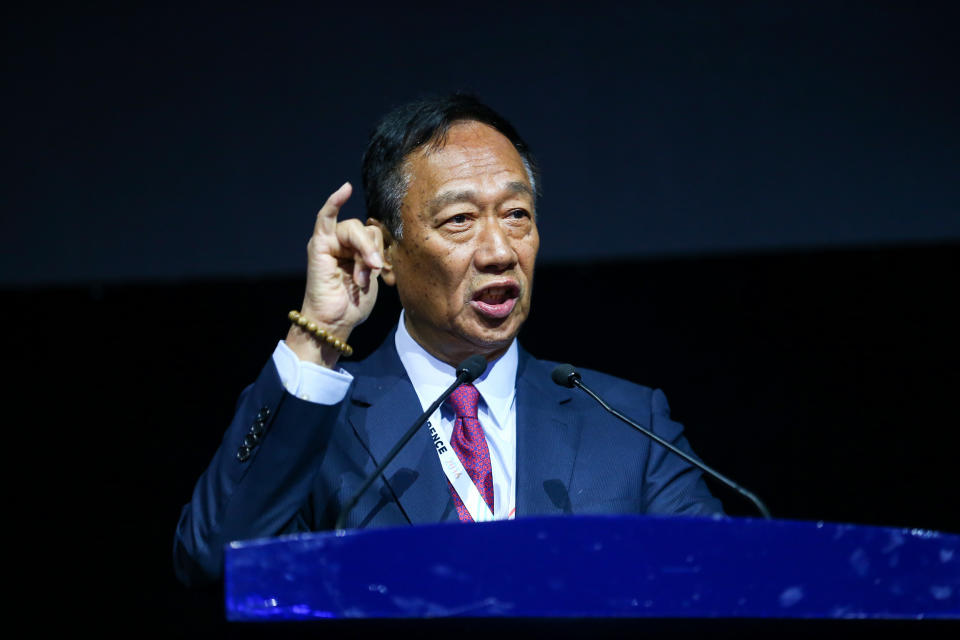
x=517 y=214
x=458 y=220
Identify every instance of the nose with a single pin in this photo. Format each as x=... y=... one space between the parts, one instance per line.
x=494 y=252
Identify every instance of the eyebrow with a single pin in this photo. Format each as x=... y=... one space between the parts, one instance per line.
x=452 y=197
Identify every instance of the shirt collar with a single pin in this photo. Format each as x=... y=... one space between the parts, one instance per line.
x=431 y=377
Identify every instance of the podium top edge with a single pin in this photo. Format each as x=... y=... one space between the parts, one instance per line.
x=607 y=520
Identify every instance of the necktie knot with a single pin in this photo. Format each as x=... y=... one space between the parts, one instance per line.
x=464 y=401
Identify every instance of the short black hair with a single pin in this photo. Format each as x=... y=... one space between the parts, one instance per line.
x=412 y=125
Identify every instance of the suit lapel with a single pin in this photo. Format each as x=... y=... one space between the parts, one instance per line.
x=548 y=437
x=383 y=406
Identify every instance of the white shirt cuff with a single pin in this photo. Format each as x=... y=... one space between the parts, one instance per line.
x=309 y=381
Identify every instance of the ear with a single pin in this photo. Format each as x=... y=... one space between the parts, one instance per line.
x=389 y=247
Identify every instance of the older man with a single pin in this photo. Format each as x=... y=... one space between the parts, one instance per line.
x=451 y=199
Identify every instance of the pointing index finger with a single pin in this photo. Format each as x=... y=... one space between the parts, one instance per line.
x=327 y=217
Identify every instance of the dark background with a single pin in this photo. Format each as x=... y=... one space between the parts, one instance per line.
x=751 y=205
x=178 y=141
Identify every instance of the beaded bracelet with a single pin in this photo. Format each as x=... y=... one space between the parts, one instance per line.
x=320 y=333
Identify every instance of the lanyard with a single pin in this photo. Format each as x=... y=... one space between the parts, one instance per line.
x=457 y=475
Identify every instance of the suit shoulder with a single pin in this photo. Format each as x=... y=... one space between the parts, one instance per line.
x=613 y=389
x=617 y=387
x=381 y=361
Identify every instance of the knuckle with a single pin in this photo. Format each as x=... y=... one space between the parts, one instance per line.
x=355 y=229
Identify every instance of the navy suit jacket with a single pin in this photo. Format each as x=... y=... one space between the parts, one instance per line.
x=572 y=458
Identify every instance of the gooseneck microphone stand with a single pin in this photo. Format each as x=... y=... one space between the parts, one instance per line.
x=566 y=376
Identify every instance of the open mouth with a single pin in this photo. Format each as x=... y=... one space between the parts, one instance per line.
x=496 y=301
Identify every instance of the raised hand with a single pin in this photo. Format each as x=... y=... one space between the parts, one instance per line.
x=343 y=261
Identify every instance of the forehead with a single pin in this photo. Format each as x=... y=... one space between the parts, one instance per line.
x=472 y=155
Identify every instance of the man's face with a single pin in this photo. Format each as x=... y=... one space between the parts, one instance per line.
x=464 y=265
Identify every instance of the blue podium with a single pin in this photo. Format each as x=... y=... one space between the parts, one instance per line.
x=599 y=566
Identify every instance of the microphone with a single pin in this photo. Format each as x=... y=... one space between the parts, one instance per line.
x=566 y=375
x=471 y=369
x=467 y=371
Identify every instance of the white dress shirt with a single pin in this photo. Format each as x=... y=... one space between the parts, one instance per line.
x=430 y=377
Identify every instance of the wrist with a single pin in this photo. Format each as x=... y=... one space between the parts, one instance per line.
x=313 y=342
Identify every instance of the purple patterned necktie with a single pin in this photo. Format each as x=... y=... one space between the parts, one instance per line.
x=470 y=445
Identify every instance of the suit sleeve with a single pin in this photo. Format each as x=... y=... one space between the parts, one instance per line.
x=259 y=478
x=672 y=485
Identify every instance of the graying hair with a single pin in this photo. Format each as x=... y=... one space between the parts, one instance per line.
x=425 y=122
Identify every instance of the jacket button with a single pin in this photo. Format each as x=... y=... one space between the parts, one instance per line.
x=243 y=453
x=249 y=441
x=263 y=414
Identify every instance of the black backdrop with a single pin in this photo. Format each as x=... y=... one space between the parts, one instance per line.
x=173 y=140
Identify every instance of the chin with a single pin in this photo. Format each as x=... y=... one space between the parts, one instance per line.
x=495 y=335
